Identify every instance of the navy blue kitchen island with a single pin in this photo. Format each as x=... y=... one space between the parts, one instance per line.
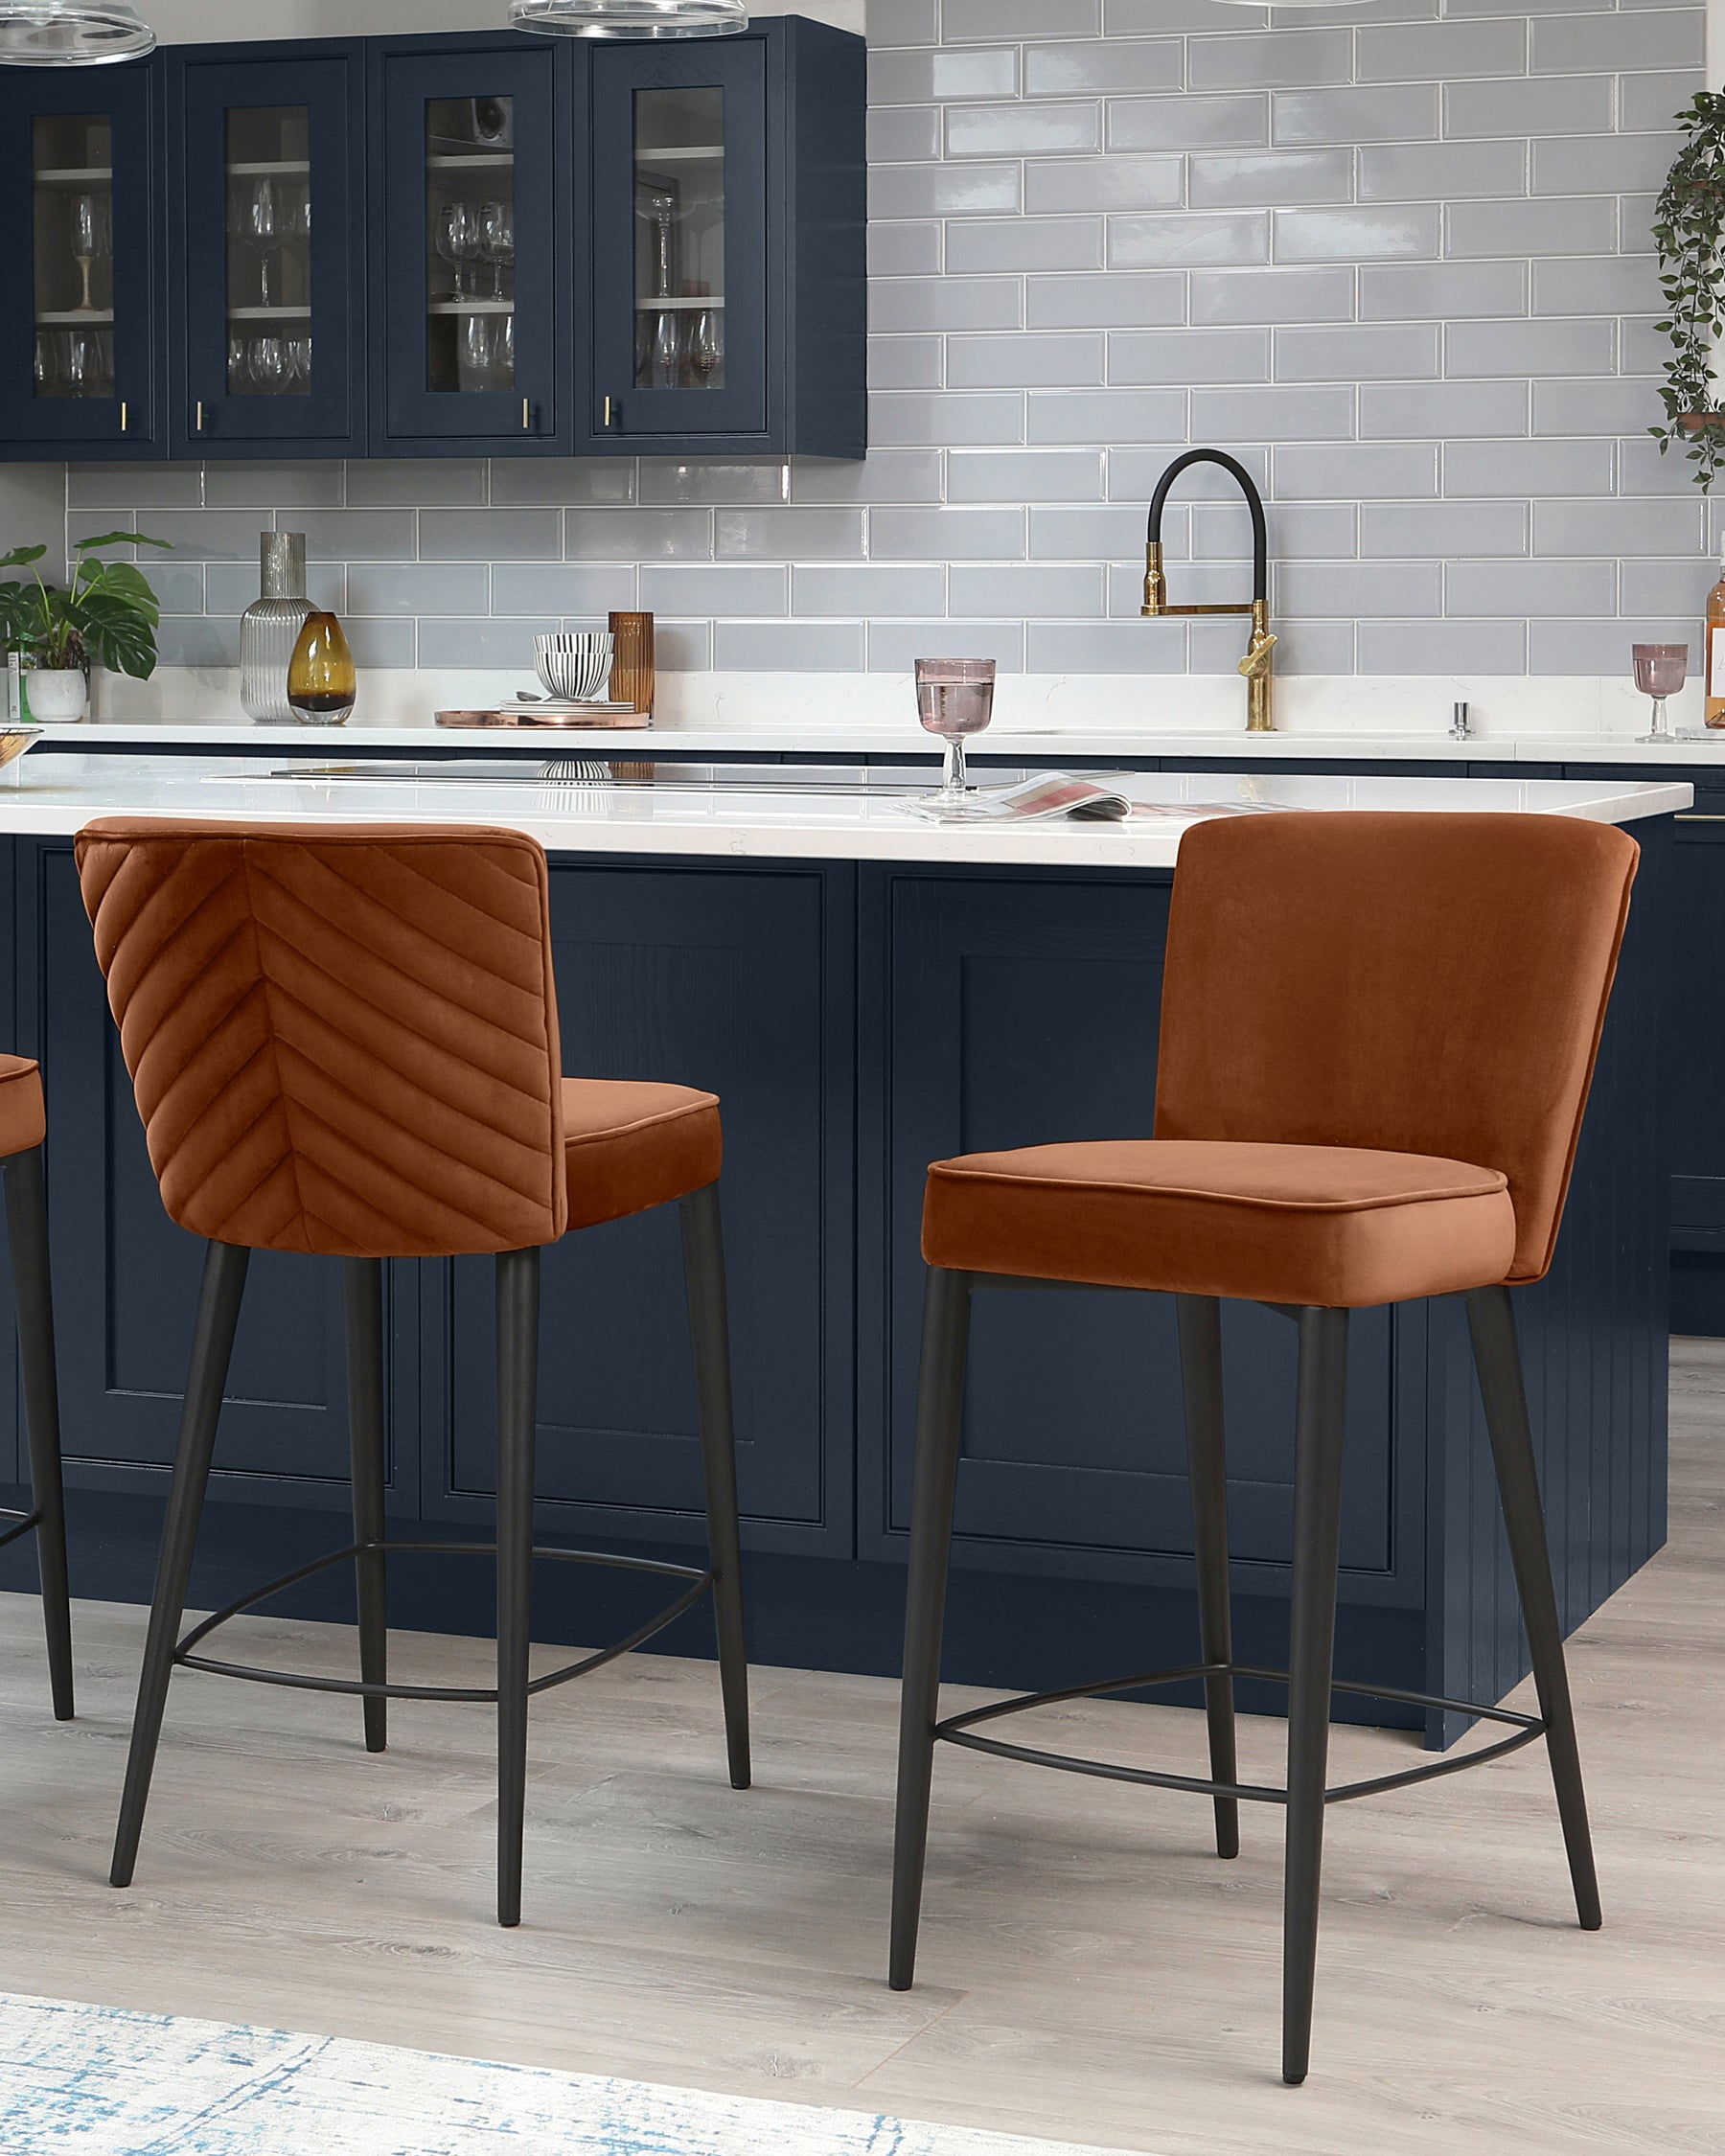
x=859 y=1018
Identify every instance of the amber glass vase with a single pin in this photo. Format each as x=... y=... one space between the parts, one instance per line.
x=321 y=688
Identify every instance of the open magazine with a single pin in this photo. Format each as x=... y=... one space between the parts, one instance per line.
x=1064 y=793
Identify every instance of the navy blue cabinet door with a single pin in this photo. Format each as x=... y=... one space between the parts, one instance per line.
x=739 y=983
x=268 y=187
x=1022 y=1014
x=80 y=261
x=470 y=153
x=684 y=224
x=126 y=1279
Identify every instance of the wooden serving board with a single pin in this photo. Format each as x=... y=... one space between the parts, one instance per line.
x=524 y=714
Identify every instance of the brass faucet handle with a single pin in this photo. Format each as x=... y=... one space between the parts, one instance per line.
x=1257 y=661
x=1156 y=585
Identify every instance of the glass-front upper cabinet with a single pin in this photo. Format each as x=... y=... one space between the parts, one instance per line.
x=680 y=243
x=470 y=145
x=269 y=281
x=79 y=360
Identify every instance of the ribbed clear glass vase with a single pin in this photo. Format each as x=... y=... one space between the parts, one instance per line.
x=271 y=628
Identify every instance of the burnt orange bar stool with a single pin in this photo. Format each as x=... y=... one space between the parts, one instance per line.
x=345 y=1041
x=1377 y=1037
x=23 y=1131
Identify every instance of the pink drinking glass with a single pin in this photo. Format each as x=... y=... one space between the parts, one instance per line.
x=955 y=697
x=1659 y=672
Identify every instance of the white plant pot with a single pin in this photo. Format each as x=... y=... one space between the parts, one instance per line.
x=57 y=693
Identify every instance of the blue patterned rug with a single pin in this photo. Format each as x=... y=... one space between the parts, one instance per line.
x=94 y=2081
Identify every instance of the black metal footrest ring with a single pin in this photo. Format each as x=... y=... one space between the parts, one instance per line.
x=26 y=1524
x=958 y=1728
x=295 y=1681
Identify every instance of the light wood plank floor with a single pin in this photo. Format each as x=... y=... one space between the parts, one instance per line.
x=1089 y=1971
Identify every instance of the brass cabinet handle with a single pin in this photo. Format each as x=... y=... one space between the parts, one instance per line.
x=201 y=415
x=122 y=415
x=608 y=412
x=526 y=416
x=1689 y=816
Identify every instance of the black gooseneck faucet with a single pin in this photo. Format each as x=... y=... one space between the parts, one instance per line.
x=1255 y=666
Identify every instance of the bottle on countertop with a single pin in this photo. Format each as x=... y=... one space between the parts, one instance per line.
x=269 y=628
x=1715 y=670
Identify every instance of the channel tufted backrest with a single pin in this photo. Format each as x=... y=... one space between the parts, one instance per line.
x=341 y=1039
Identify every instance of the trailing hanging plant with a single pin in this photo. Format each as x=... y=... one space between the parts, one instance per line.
x=1689 y=235
x=107 y=615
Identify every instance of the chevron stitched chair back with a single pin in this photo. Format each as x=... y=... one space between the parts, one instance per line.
x=342 y=1039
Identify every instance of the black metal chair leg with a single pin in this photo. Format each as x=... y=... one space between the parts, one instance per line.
x=709 y=1336
x=1317 y=1544
x=939 y=1422
x=27 y=1223
x=362 y=1293
x=517 y=1412
x=1200 y=1324
x=1497 y=1355
x=212 y=1348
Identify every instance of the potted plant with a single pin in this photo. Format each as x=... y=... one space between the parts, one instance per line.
x=1689 y=233
x=105 y=615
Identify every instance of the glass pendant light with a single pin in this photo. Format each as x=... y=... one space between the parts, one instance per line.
x=630 y=18
x=71 y=33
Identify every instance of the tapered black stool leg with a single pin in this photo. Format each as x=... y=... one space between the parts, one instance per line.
x=709 y=1335
x=518 y=1413
x=363 y=1290
x=939 y=1421
x=1496 y=1354
x=212 y=1349
x=1200 y=1323
x=1317 y=1543
x=26 y=1221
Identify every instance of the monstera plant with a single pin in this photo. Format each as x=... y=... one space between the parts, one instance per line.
x=1689 y=235
x=105 y=614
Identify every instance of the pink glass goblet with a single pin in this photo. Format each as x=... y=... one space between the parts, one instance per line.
x=1659 y=672
x=955 y=697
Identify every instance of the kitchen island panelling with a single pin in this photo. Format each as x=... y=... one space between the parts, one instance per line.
x=867 y=992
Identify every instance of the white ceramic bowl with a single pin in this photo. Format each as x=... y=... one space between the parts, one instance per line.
x=576 y=665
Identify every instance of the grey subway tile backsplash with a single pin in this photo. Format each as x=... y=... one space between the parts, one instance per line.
x=1273 y=295
x=1189 y=241
x=1072 y=184
x=1187 y=123
x=1636 y=38
x=1285 y=60
x=1111 y=300
x=1440 y=52
x=894 y=646
x=1565 y=105
x=790 y=646
x=419 y=587
x=490 y=535
x=1355 y=234
x=1395 y=258
x=566 y=589
x=1367 y=115
x=1236 y=179
x=1528 y=471
x=1434 y=172
x=720 y=588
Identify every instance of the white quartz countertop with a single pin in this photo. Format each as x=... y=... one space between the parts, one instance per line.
x=772 y=815
x=1042 y=746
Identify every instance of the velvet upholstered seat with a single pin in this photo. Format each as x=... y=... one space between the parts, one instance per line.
x=1377 y=1038
x=23 y=1112
x=344 y=1042
x=1356 y=1103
